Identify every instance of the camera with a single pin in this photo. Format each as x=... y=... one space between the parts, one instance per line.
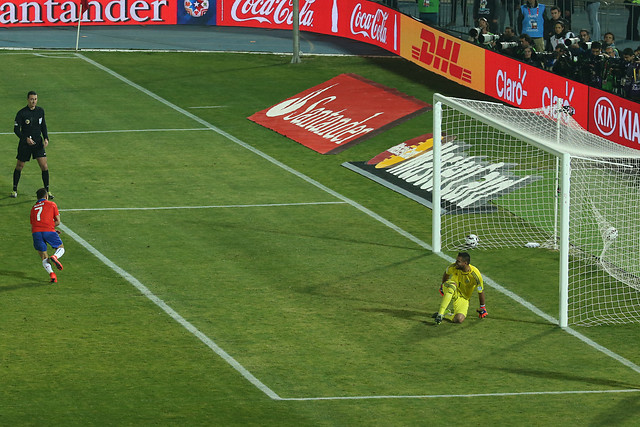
x=474 y=32
x=585 y=45
x=506 y=45
x=488 y=38
x=571 y=41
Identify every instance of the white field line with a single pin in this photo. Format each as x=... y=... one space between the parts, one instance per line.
x=172 y=313
x=356 y=205
x=117 y=131
x=436 y=396
x=265 y=205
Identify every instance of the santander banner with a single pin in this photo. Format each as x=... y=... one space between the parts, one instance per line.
x=39 y=13
x=339 y=113
x=363 y=20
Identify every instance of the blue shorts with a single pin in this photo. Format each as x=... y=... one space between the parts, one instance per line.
x=41 y=238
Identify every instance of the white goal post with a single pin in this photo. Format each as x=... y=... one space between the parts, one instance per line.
x=536 y=179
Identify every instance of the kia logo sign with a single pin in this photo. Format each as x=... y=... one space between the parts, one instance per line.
x=604 y=116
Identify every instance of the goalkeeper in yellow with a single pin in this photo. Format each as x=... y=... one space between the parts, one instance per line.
x=458 y=282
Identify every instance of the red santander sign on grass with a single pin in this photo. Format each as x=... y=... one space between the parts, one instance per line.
x=339 y=113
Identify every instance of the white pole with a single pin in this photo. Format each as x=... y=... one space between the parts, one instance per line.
x=78 y=33
x=436 y=195
x=565 y=188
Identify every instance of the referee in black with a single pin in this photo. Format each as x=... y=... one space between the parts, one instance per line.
x=31 y=128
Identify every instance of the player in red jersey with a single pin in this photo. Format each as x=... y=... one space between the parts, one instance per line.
x=44 y=219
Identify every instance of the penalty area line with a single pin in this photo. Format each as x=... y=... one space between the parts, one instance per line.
x=173 y=314
x=261 y=205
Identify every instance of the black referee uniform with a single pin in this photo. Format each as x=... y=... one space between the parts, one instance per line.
x=31 y=125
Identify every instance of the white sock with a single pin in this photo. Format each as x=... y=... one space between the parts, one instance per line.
x=59 y=252
x=47 y=266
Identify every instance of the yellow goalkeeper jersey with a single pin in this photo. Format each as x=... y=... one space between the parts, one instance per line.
x=467 y=282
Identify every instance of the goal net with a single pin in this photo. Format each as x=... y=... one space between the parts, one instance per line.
x=535 y=178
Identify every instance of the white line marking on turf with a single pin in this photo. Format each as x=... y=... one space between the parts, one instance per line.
x=118 y=131
x=172 y=313
x=266 y=205
x=358 y=206
x=434 y=396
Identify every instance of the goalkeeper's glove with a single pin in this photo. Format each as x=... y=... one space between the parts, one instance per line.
x=482 y=312
x=441 y=291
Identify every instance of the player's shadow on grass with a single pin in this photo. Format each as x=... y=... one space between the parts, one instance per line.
x=20 y=275
x=564 y=376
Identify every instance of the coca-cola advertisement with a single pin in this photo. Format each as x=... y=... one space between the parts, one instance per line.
x=364 y=21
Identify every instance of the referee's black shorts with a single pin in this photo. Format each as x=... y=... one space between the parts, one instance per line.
x=26 y=152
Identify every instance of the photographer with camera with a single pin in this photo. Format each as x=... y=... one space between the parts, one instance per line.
x=489 y=10
x=529 y=57
x=481 y=35
x=631 y=79
x=560 y=35
x=590 y=66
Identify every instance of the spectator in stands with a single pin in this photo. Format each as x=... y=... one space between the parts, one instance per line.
x=633 y=6
x=592 y=7
x=608 y=40
x=549 y=28
x=531 y=19
x=428 y=11
x=488 y=9
x=560 y=35
x=585 y=36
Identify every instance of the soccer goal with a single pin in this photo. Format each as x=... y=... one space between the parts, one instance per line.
x=536 y=178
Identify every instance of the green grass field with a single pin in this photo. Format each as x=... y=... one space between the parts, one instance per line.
x=218 y=273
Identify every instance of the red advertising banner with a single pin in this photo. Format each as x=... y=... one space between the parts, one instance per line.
x=41 y=13
x=363 y=20
x=524 y=86
x=614 y=118
x=339 y=113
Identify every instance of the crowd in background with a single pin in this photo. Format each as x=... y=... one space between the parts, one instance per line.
x=542 y=35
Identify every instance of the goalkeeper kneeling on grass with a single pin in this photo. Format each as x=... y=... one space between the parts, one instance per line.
x=458 y=282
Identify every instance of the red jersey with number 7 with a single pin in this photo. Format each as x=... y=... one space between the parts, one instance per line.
x=43 y=216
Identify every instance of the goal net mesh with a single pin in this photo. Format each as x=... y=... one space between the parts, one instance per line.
x=499 y=185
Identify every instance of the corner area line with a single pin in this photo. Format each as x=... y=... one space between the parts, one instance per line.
x=172 y=313
x=361 y=208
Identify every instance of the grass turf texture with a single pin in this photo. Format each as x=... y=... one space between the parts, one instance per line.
x=314 y=300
